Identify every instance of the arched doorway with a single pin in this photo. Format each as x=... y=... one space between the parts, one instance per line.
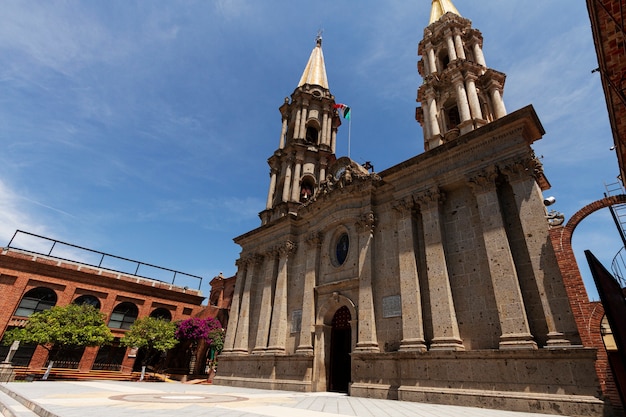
x=340 y=348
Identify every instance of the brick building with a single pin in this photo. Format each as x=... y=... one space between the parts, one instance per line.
x=32 y=282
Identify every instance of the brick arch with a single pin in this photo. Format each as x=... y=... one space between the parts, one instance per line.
x=581 y=214
x=587 y=314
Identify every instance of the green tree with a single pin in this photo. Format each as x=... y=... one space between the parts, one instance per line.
x=154 y=335
x=66 y=327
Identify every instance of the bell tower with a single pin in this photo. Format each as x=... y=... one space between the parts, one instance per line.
x=307 y=141
x=459 y=93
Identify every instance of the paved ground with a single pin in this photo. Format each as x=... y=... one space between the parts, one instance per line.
x=154 y=399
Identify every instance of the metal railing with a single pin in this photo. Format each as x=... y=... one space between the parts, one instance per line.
x=104 y=257
x=618 y=266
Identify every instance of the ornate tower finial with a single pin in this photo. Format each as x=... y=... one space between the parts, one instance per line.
x=459 y=93
x=318 y=38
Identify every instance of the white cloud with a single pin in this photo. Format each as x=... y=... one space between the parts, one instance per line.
x=14 y=215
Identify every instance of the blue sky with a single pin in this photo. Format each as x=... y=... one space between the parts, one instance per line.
x=142 y=128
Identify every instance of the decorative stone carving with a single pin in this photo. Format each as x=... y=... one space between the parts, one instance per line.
x=404 y=207
x=555 y=218
x=484 y=180
x=430 y=198
x=520 y=168
x=366 y=222
x=286 y=248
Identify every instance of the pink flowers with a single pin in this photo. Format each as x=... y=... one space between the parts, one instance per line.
x=196 y=329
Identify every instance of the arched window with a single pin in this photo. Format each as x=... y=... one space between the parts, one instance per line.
x=36 y=300
x=123 y=316
x=307 y=190
x=162 y=313
x=89 y=300
x=444 y=59
x=453 y=117
x=311 y=134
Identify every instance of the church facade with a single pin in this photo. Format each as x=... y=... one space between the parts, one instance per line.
x=433 y=280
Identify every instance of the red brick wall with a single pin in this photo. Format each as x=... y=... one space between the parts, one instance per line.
x=21 y=272
x=588 y=315
x=610 y=41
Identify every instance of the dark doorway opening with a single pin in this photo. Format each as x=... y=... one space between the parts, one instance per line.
x=340 y=348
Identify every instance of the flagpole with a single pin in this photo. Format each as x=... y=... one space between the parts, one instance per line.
x=349 y=132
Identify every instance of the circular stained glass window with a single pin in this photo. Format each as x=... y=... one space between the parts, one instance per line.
x=341 y=249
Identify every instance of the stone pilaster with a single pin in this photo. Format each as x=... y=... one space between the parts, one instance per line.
x=243 y=324
x=446 y=335
x=511 y=311
x=266 y=303
x=278 y=330
x=229 y=342
x=521 y=175
x=314 y=243
x=367 y=339
x=412 y=321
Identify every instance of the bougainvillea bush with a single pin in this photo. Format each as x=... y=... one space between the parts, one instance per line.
x=195 y=330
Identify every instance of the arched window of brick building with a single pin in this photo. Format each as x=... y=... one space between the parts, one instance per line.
x=162 y=313
x=36 y=300
x=123 y=316
x=87 y=299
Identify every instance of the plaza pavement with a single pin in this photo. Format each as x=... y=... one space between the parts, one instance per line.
x=157 y=399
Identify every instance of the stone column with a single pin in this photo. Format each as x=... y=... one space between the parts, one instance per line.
x=478 y=55
x=450 y=45
x=461 y=99
x=333 y=143
x=270 y=194
x=322 y=174
x=229 y=342
x=282 y=134
x=243 y=324
x=446 y=335
x=329 y=129
x=287 y=182
x=295 y=186
x=296 y=129
x=278 y=330
x=432 y=62
x=266 y=304
x=302 y=134
x=435 y=138
x=498 y=103
x=520 y=174
x=508 y=295
x=324 y=131
x=472 y=95
x=367 y=339
x=458 y=44
x=314 y=243
x=412 y=321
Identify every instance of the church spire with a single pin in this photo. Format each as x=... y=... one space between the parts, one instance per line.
x=460 y=93
x=306 y=147
x=315 y=70
x=441 y=7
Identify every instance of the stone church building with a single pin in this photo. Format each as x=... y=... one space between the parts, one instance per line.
x=433 y=280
